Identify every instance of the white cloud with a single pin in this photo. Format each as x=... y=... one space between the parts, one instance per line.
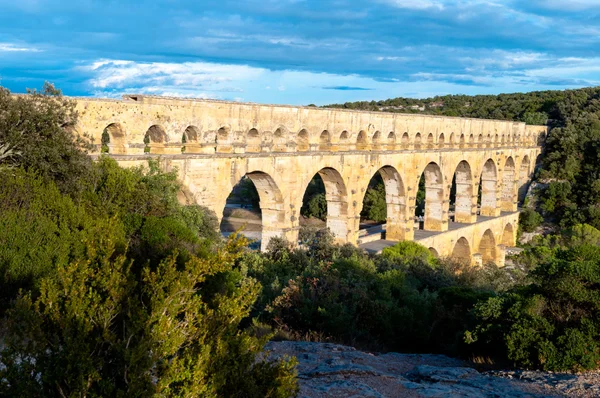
x=501 y=71
x=10 y=47
x=415 y=4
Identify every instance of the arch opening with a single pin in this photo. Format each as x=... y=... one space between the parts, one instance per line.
x=191 y=134
x=189 y=138
x=418 y=141
x=391 y=140
x=434 y=252
x=430 y=141
x=222 y=140
x=508 y=236
x=326 y=192
x=462 y=251
x=302 y=144
x=405 y=141
x=114 y=139
x=362 y=141
x=279 y=140
x=255 y=205
x=384 y=203
x=325 y=198
x=487 y=247
x=442 y=141
x=430 y=210
x=462 y=141
x=376 y=140
x=253 y=140
x=155 y=137
x=325 y=141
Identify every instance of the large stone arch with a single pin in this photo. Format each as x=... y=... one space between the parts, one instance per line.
x=395 y=198
x=489 y=190
x=462 y=251
x=487 y=247
x=274 y=223
x=271 y=206
x=464 y=211
x=524 y=173
x=115 y=138
x=509 y=186
x=336 y=195
x=435 y=199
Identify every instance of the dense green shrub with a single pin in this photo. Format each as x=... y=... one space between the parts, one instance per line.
x=375 y=206
x=529 y=220
x=316 y=207
x=552 y=323
x=110 y=287
x=403 y=300
x=99 y=330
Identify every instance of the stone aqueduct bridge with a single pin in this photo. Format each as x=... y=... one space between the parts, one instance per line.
x=213 y=144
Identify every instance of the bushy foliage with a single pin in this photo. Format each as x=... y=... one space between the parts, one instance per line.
x=110 y=287
x=552 y=323
x=375 y=206
x=408 y=253
x=38 y=127
x=314 y=200
x=97 y=329
x=529 y=220
x=316 y=207
x=403 y=300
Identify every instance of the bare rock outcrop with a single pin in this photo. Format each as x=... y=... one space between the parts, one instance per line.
x=331 y=370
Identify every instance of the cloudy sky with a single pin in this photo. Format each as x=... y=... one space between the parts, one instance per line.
x=299 y=51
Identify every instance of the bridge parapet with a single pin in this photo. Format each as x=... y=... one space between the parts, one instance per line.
x=160 y=125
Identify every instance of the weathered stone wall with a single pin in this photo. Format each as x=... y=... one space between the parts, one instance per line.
x=486 y=240
x=281 y=148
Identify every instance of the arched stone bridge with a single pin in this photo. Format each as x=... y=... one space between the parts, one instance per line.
x=213 y=144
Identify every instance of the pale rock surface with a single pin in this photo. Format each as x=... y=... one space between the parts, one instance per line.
x=331 y=370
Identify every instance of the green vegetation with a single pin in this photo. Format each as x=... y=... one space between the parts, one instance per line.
x=110 y=287
x=529 y=220
x=315 y=202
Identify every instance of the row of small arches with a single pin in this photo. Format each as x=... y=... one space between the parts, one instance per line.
x=223 y=140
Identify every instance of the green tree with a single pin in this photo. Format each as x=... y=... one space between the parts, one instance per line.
x=98 y=330
x=40 y=127
x=375 y=206
x=551 y=323
x=529 y=220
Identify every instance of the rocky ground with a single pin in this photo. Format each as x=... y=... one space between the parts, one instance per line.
x=330 y=370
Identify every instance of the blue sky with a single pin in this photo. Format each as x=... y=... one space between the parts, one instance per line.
x=299 y=51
